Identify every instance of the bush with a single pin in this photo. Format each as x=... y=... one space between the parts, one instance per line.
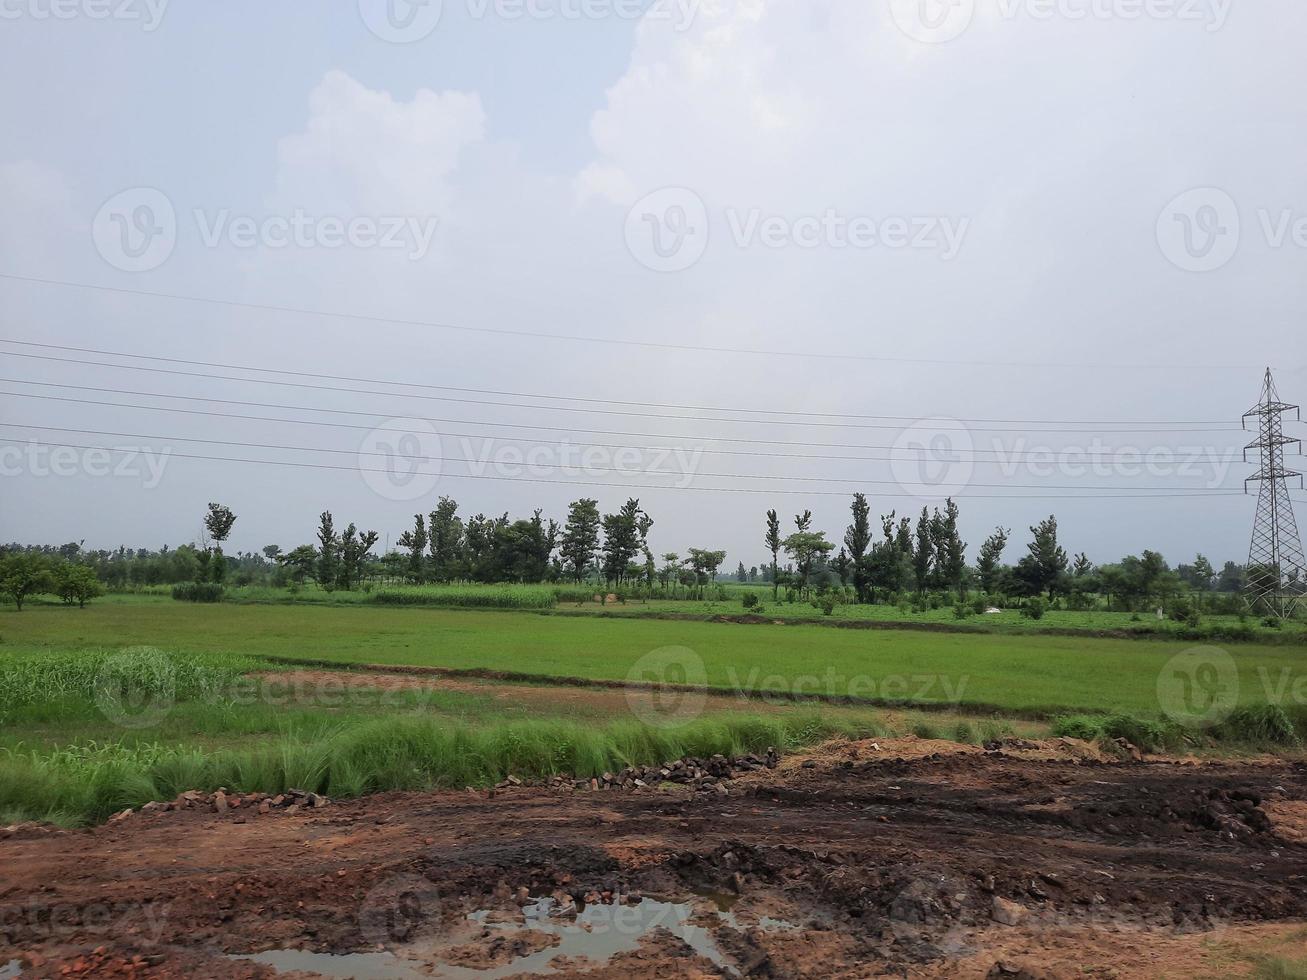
x=979 y=604
x=961 y=611
x=750 y=600
x=827 y=604
x=198 y=592
x=1034 y=608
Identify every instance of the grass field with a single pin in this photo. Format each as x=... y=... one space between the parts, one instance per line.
x=65 y=756
x=1024 y=674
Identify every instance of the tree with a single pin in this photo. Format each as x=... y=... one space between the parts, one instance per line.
x=300 y=564
x=447 y=538
x=990 y=553
x=842 y=565
x=621 y=540
x=74 y=582
x=857 y=539
x=1040 y=569
x=580 y=537
x=1232 y=577
x=923 y=553
x=1082 y=566
x=415 y=543
x=704 y=564
x=773 y=542
x=328 y=552
x=741 y=573
x=354 y=550
x=1199 y=575
x=23 y=574
x=806 y=547
x=950 y=549
x=671 y=565
x=218 y=523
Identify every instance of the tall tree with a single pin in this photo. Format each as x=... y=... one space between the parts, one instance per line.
x=23 y=574
x=446 y=539
x=950 y=549
x=773 y=541
x=924 y=553
x=415 y=543
x=354 y=551
x=328 y=552
x=991 y=551
x=621 y=540
x=1045 y=561
x=857 y=539
x=218 y=523
x=580 y=537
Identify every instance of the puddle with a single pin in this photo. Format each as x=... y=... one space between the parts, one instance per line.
x=598 y=932
x=358 y=966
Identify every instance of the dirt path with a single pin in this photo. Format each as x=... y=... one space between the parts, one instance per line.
x=862 y=860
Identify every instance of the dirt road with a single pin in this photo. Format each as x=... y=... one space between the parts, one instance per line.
x=863 y=859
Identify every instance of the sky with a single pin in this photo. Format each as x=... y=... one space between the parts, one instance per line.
x=720 y=256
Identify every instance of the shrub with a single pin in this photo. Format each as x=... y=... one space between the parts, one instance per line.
x=198 y=592
x=827 y=604
x=1034 y=608
x=750 y=600
x=1078 y=726
x=961 y=611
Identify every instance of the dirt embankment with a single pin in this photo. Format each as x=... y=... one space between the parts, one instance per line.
x=898 y=858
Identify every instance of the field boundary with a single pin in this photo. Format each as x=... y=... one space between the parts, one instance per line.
x=977 y=708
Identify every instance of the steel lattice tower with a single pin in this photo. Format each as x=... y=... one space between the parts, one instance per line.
x=1277 y=573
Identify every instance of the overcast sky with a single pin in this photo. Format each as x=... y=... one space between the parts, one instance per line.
x=908 y=219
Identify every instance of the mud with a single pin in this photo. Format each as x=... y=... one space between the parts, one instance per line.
x=901 y=858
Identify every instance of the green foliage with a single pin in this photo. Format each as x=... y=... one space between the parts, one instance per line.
x=1034 y=607
x=750 y=600
x=1259 y=724
x=23 y=575
x=964 y=733
x=198 y=591
x=76 y=583
x=472 y=597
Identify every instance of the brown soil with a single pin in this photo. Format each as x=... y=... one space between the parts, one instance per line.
x=901 y=858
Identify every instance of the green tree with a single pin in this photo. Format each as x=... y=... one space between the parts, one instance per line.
x=987 y=562
x=447 y=538
x=805 y=547
x=773 y=542
x=923 y=553
x=75 y=582
x=300 y=564
x=415 y=543
x=621 y=540
x=580 y=538
x=328 y=552
x=857 y=539
x=218 y=523
x=704 y=564
x=22 y=575
x=1045 y=562
x=354 y=551
x=950 y=549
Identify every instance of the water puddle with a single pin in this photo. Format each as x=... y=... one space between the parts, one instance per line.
x=345 y=966
x=595 y=932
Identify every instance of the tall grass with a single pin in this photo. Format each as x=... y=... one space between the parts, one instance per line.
x=76 y=786
x=469 y=597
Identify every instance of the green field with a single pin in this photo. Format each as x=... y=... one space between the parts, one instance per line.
x=1024 y=674
x=64 y=756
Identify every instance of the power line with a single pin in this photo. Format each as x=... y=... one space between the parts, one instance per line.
x=591 y=340
x=560 y=408
x=520 y=394
x=637 y=486
x=596 y=467
x=509 y=425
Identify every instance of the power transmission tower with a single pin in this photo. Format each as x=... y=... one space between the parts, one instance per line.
x=1277 y=573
